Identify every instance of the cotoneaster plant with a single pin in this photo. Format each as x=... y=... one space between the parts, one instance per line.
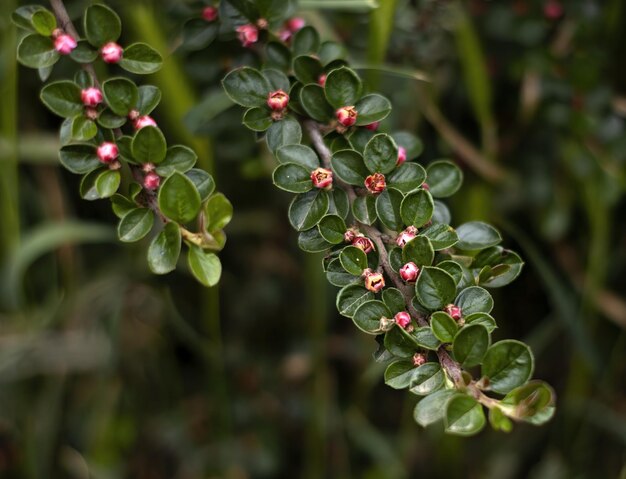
x=109 y=137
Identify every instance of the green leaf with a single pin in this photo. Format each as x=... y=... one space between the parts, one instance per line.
x=135 y=225
x=83 y=53
x=464 y=416
x=508 y=364
x=306 y=40
x=299 y=154
x=35 y=51
x=419 y=251
x=394 y=300
x=121 y=205
x=400 y=374
x=108 y=119
x=199 y=34
x=400 y=343
x=498 y=421
x=427 y=379
x=444 y=178
x=204 y=266
x=277 y=79
x=331 y=51
x=141 y=59
x=178 y=198
x=83 y=129
x=388 y=208
x=22 y=16
x=218 y=212
x=332 y=228
x=87 y=187
x=348 y=166
x=284 y=132
x=367 y=316
x=79 y=159
x=353 y=260
x=407 y=177
x=164 y=249
x=257 y=119
x=481 y=318
x=204 y=183
x=336 y=275
x=339 y=204
x=534 y=402
x=307 y=69
x=417 y=208
x=351 y=297
x=454 y=268
x=372 y=108
x=477 y=235
x=306 y=210
x=474 y=300
x=278 y=55
x=470 y=345
x=177 y=158
x=425 y=338
x=432 y=408
x=443 y=326
x=364 y=209
x=497 y=256
x=441 y=213
x=246 y=87
x=107 y=183
x=44 y=22
x=342 y=88
x=293 y=178
x=314 y=103
x=381 y=154
x=121 y=95
x=63 y=98
x=412 y=145
x=441 y=236
x=434 y=288
x=102 y=25
x=312 y=242
x=149 y=145
x=149 y=99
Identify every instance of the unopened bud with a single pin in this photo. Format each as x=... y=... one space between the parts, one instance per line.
x=262 y=23
x=403 y=319
x=425 y=186
x=115 y=165
x=151 y=181
x=346 y=115
x=209 y=13
x=374 y=282
x=454 y=311
x=112 y=52
x=363 y=243
x=107 y=152
x=248 y=34
x=372 y=126
x=350 y=234
x=375 y=183
x=401 y=155
x=407 y=235
x=553 y=10
x=91 y=113
x=91 y=96
x=294 y=24
x=278 y=100
x=409 y=272
x=148 y=167
x=322 y=178
x=321 y=80
x=64 y=44
x=419 y=359
x=142 y=121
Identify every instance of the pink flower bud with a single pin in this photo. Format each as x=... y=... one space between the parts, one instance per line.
x=284 y=34
x=407 y=235
x=294 y=24
x=142 y=121
x=425 y=186
x=553 y=10
x=278 y=100
x=91 y=113
x=91 y=96
x=401 y=155
x=346 y=115
x=64 y=44
x=375 y=183
x=262 y=23
x=148 y=167
x=403 y=319
x=321 y=80
x=350 y=234
x=209 y=13
x=374 y=282
x=363 y=243
x=248 y=34
x=409 y=272
x=372 y=126
x=151 y=181
x=107 y=152
x=133 y=115
x=322 y=178
x=454 y=311
x=111 y=52
x=419 y=359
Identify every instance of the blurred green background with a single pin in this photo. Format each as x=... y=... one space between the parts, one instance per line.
x=107 y=371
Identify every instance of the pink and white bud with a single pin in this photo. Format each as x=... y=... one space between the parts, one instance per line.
x=148 y=167
x=284 y=34
x=409 y=272
x=418 y=359
x=363 y=243
x=111 y=52
x=91 y=113
x=91 y=96
x=142 y=121
x=294 y=24
x=248 y=34
x=321 y=80
x=262 y=24
x=350 y=234
x=151 y=181
x=133 y=114
x=322 y=178
x=401 y=155
x=209 y=13
x=64 y=44
x=425 y=186
x=372 y=126
x=107 y=152
x=407 y=235
x=278 y=100
x=346 y=115
x=454 y=311
x=403 y=319
x=374 y=282
x=375 y=183
x=553 y=10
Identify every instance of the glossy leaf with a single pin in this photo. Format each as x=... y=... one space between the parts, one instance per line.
x=102 y=25
x=470 y=345
x=432 y=408
x=427 y=379
x=353 y=260
x=372 y=108
x=508 y=364
x=205 y=266
x=178 y=198
x=246 y=87
x=107 y=183
x=388 y=208
x=443 y=326
x=332 y=228
x=368 y=315
x=121 y=95
x=400 y=374
x=36 y=51
x=364 y=209
x=464 y=416
x=350 y=298
x=135 y=225
x=218 y=212
x=299 y=154
x=149 y=146
x=434 y=288
x=284 y=132
x=314 y=103
x=348 y=166
x=441 y=236
x=342 y=88
x=141 y=59
x=474 y=300
x=419 y=251
x=444 y=178
x=79 y=159
x=477 y=235
x=417 y=208
x=381 y=154
x=306 y=210
x=407 y=177
x=164 y=249
x=257 y=119
x=177 y=158
x=63 y=98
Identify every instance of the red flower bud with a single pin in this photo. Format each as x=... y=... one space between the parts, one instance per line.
x=294 y=24
x=403 y=319
x=209 y=13
x=407 y=235
x=363 y=243
x=374 y=282
x=409 y=272
x=401 y=155
x=284 y=34
x=278 y=100
x=91 y=96
x=321 y=80
x=375 y=183
x=553 y=10
x=419 y=359
x=248 y=34
x=425 y=186
x=64 y=44
x=372 y=126
x=346 y=115
x=142 y=121
x=350 y=234
x=322 y=178
x=112 y=52
x=151 y=181
x=107 y=152
x=454 y=311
